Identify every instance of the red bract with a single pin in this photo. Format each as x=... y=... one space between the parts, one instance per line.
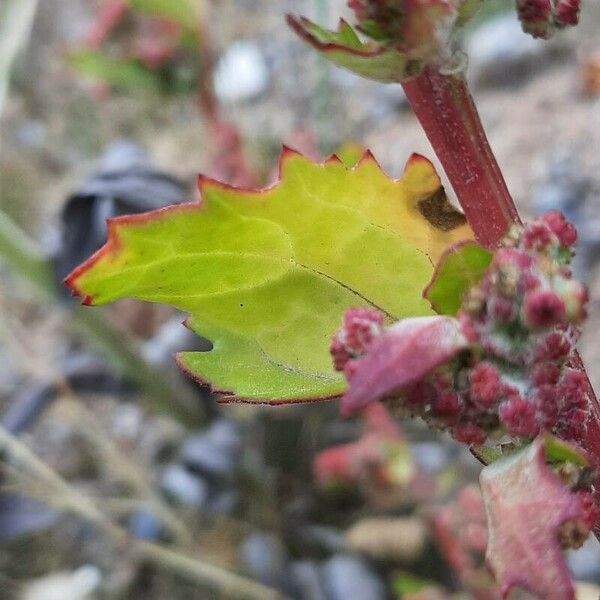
x=527 y=507
x=460 y=531
x=402 y=355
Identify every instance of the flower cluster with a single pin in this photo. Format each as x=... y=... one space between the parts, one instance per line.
x=510 y=378
x=385 y=15
x=420 y=30
x=378 y=465
x=541 y=18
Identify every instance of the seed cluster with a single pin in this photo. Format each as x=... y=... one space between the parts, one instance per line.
x=521 y=322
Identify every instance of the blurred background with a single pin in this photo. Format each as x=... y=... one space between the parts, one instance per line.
x=119 y=478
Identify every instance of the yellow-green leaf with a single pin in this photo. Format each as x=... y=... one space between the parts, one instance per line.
x=266 y=275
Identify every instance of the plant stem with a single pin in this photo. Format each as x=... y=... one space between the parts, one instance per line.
x=447 y=113
x=63 y=494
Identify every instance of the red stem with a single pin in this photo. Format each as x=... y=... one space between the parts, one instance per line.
x=448 y=115
x=446 y=110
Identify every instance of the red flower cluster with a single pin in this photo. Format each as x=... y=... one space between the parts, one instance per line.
x=510 y=373
x=541 y=18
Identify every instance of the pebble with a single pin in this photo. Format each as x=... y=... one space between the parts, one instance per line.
x=305 y=580
x=346 y=577
x=585 y=562
x=430 y=457
x=20 y=515
x=144 y=526
x=241 y=73
x=501 y=54
x=263 y=558
x=76 y=585
x=214 y=453
x=184 y=487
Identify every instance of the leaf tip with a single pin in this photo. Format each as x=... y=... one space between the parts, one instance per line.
x=366 y=158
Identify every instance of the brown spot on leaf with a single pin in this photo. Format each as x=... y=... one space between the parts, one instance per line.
x=440 y=212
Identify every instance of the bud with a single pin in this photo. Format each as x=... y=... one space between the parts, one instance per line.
x=543 y=309
x=567 y=12
x=558 y=224
x=538 y=237
x=468 y=433
x=519 y=418
x=536 y=17
x=447 y=405
x=360 y=327
x=485 y=385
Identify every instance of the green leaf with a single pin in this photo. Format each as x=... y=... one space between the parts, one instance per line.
x=407 y=584
x=266 y=275
x=459 y=269
x=558 y=451
x=345 y=49
x=119 y=73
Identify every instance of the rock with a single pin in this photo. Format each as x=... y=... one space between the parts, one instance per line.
x=348 y=577
x=586 y=591
x=76 y=585
x=144 y=526
x=20 y=515
x=263 y=557
x=585 y=562
x=305 y=582
x=215 y=452
x=501 y=54
x=223 y=502
x=319 y=540
x=241 y=73
x=27 y=405
x=90 y=373
x=430 y=457
x=124 y=184
x=394 y=539
x=184 y=487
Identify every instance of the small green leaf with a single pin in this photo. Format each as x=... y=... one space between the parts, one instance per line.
x=459 y=269
x=345 y=49
x=119 y=73
x=407 y=584
x=558 y=451
x=267 y=274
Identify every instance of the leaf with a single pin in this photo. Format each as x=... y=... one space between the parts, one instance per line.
x=459 y=269
x=526 y=503
x=268 y=274
x=558 y=451
x=345 y=49
x=119 y=73
x=402 y=355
